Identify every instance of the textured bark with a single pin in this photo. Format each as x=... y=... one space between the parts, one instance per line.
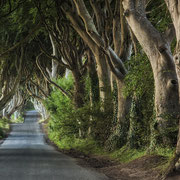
x=102 y=68
x=103 y=75
x=158 y=52
x=94 y=82
x=121 y=43
x=16 y=103
x=94 y=85
x=79 y=89
x=174 y=9
x=124 y=53
x=96 y=37
x=124 y=104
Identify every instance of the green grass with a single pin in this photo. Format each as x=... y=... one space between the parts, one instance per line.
x=167 y=152
x=125 y=155
x=87 y=146
x=122 y=155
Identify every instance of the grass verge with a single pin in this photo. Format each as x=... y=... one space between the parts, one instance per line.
x=122 y=155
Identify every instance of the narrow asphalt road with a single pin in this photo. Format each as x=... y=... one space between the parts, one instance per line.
x=24 y=155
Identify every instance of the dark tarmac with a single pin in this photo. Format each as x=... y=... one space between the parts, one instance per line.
x=24 y=155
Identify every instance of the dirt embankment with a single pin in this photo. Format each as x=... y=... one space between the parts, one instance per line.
x=144 y=168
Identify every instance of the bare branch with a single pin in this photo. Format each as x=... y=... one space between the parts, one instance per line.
x=35 y=84
x=5 y=99
x=98 y=14
x=114 y=70
x=52 y=56
x=33 y=95
x=88 y=22
x=50 y=81
x=150 y=39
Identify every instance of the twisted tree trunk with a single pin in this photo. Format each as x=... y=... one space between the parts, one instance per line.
x=79 y=89
x=158 y=51
x=174 y=9
x=102 y=67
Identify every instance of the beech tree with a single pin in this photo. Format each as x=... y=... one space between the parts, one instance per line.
x=71 y=50
x=97 y=37
x=97 y=34
x=174 y=10
x=15 y=104
x=102 y=68
x=157 y=48
x=10 y=84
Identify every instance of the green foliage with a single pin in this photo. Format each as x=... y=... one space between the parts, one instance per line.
x=61 y=123
x=92 y=87
x=126 y=154
x=161 y=136
x=162 y=151
x=159 y=15
x=143 y=130
x=4 y=127
x=101 y=121
x=29 y=106
x=140 y=87
x=19 y=119
x=87 y=145
x=68 y=123
x=139 y=80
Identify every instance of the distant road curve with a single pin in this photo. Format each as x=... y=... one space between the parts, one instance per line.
x=24 y=155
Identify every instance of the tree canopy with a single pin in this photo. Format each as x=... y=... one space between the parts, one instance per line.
x=106 y=70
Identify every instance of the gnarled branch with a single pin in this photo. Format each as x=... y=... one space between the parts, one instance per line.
x=50 y=81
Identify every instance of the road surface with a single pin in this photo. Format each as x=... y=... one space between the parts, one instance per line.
x=24 y=155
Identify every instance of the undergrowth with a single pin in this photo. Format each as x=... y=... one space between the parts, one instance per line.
x=122 y=155
x=87 y=146
x=125 y=155
x=86 y=129
x=19 y=119
x=4 y=127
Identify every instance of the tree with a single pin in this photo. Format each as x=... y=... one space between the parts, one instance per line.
x=157 y=48
x=174 y=9
x=97 y=34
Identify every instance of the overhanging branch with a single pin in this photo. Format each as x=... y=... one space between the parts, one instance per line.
x=48 y=79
